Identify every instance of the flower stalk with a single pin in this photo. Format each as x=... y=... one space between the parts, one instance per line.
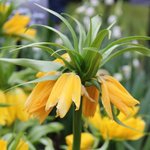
x=77 y=124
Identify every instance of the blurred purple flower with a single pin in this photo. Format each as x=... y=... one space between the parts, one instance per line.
x=144 y=2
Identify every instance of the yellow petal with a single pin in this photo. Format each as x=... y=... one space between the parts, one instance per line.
x=65 y=56
x=89 y=107
x=116 y=83
x=120 y=105
x=3 y=145
x=107 y=127
x=3 y=110
x=20 y=102
x=36 y=102
x=11 y=99
x=87 y=141
x=96 y=120
x=56 y=91
x=65 y=99
x=76 y=95
x=16 y=23
x=106 y=99
x=22 y=145
x=30 y=32
x=122 y=96
x=40 y=113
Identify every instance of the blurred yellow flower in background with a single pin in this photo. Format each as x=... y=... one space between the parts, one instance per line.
x=109 y=129
x=113 y=92
x=21 y=146
x=3 y=145
x=3 y=110
x=17 y=25
x=87 y=141
x=16 y=98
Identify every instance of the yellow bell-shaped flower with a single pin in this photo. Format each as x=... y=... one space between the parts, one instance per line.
x=114 y=93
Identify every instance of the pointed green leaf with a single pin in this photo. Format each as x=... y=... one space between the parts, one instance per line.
x=37 y=65
x=42 y=130
x=92 y=59
x=96 y=24
x=99 y=38
x=42 y=79
x=64 y=38
x=125 y=39
x=75 y=39
x=82 y=33
x=143 y=50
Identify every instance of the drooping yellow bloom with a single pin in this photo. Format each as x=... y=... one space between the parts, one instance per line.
x=48 y=94
x=16 y=98
x=87 y=141
x=3 y=145
x=17 y=25
x=3 y=110
x=109 y=129
x=114 y=93
x=90 y=102
x=21 y=146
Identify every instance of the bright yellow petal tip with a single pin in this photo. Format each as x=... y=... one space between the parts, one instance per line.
x=3 y=145
x=87 y=141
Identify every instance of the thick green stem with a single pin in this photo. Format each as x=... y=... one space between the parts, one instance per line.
x=77 y=124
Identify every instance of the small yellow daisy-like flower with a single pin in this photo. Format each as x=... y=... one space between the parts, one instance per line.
x=114 y=93
x=87 y=141
x=3 y=145
x=107 y=126
x=17 y=25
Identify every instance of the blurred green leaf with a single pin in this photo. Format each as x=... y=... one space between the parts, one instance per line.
x=42 y=130
x=37 y=65
x=48 y=143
